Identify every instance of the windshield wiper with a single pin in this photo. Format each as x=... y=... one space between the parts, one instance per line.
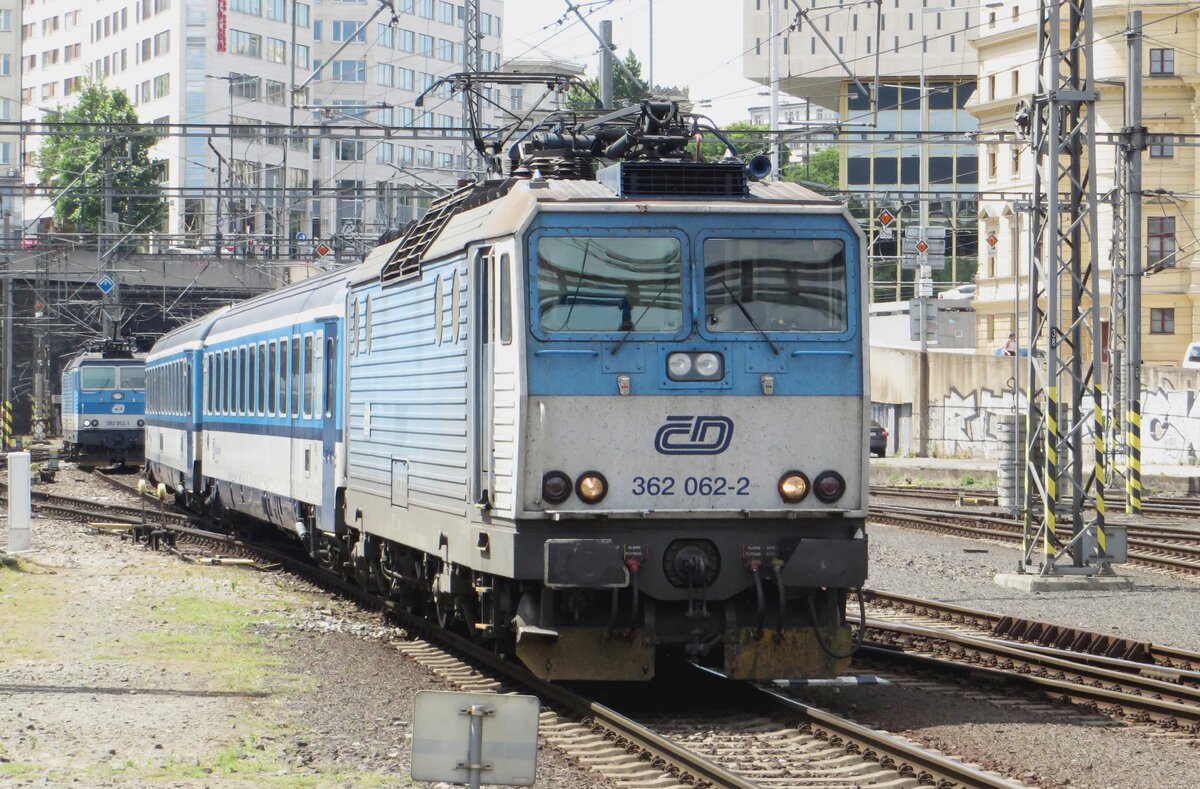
x=617 y=345
x=742 y=307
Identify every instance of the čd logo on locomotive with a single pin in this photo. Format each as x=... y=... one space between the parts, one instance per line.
x=694 y=435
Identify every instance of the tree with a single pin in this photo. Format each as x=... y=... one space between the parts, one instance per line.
x=625 y=91
x=822 y=167
x=73 y=163
x=749 y=139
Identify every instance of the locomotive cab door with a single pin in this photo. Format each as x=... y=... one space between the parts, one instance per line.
x=480 y=288
x=494 y=385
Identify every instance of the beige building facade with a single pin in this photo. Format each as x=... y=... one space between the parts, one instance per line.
x=11 y=202
x=1006 y=47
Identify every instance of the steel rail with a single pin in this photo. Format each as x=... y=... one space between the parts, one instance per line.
x=1081 y=670
x=1166 y=555
x=926 y=765
x=1076 y=640
x=1166 y=713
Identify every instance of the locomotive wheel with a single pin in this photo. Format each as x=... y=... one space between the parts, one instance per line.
x=443 y=606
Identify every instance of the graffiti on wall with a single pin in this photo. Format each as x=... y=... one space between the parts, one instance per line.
x=966 y=424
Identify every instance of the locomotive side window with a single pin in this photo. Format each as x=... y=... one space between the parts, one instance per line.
x=367 y=323
x=353 y=334
x=505 y=299
x=775 y=285
x=600 y=284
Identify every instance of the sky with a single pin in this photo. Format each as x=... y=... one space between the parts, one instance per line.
x=698 y=45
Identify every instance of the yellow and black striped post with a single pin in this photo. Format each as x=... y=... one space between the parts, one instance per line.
x=1051 y=478
x=1098 y=425
x=6 y=429
x=1133 y=447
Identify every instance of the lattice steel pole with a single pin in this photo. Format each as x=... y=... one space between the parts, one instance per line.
x=472 y=107
x=1065 y=299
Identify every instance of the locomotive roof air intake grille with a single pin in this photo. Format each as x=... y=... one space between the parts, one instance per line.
x=677 y=179
x=419 y=235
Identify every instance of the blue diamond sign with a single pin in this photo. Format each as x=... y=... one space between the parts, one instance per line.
x=106 y=285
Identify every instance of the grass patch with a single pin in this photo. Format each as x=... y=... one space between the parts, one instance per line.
x=31 y=602
x=209 y=637
x=16 y=769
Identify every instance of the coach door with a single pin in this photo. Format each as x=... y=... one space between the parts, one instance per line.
x=326 y=402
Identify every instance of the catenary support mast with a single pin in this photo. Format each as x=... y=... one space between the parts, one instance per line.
x=1065 y=404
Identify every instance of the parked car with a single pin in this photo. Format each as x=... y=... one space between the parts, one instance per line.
x=879 y=439
x=1191 y=357
x=963 y=292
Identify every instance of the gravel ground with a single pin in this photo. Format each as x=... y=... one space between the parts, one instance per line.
x=1038 y=744
x=1161 y=608
x=122 y=667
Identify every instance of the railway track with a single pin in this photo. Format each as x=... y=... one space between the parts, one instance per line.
x=1174 y=550
x=758 y=738
x=1162 y=506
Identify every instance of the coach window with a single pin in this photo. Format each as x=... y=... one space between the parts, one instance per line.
x=187 y=388
x=251 y=378
x=243 y=380
x=230 y=380
x=775 y=285
x=271 y=366
x=283 y=382
x=329 y=376
x=295 y=377
x=260 y=351
x=215 y=405
x=306 y=406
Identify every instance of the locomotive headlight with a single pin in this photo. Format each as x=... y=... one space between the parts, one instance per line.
x=591 y=486
x=679 y=365
x=141 y=423
x=118 y=395
x=708 y=365
x=793 y=487
x=556 y=486
x=830 y=486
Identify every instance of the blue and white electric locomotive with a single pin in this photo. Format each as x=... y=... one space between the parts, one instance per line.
x=592 y=421
x=103 y=400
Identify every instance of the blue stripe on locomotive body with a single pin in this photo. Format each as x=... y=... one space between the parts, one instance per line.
x=807 y=363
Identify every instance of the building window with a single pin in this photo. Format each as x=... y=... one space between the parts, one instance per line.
x=276 y=50
x=349 y=70
x=1160 y=242
x=517 y=98
x=347 y=30
x=162 y=86
x=1162 y=320
x=1162 y=146
x=1162 y=62
x=241 y=43
x=247 y=6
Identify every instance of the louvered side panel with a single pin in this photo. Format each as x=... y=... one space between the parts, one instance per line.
x=408 y=395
